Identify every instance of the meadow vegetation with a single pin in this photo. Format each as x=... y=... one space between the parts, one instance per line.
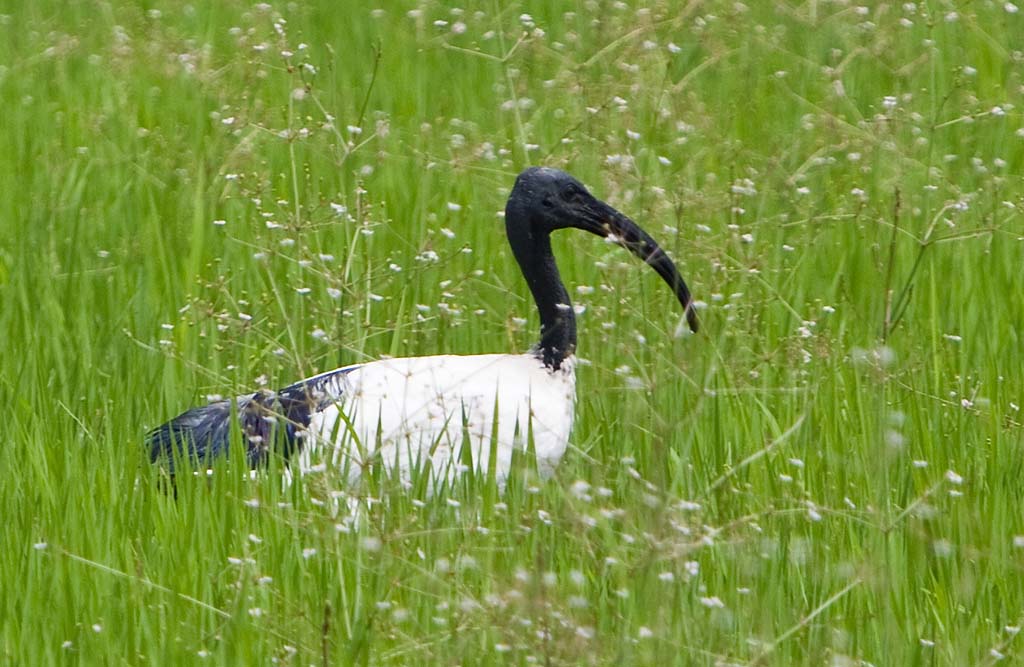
x=204 y=198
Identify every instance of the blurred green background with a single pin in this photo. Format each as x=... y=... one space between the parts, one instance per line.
x=202 y=199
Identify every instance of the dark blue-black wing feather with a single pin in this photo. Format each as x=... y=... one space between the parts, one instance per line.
x=267 y=421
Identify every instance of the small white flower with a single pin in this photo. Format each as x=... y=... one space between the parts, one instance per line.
x=580 y=489
x=894 y=438
x=744 y=186
x=585 y=632
x=953 y=478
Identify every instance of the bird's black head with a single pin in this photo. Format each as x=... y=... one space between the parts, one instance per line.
x=544 y=200
x=548 y=199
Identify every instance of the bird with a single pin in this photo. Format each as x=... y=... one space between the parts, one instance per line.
x=418 y=413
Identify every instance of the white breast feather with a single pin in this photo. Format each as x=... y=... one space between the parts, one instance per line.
x=426 y=407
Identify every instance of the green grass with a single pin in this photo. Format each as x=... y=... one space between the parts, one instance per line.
x=842 y=187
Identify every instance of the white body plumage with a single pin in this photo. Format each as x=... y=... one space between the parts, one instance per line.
x=402 y=413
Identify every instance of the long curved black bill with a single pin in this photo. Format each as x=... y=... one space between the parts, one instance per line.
x=599 y=218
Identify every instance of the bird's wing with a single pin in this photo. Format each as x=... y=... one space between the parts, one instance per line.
x=268 y=421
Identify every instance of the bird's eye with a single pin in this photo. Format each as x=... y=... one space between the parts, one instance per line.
x=571 y=194
x=547 y=203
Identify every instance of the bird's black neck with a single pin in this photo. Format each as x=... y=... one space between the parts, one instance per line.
x=557 y=319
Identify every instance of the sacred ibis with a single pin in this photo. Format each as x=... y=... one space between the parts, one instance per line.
x=411 y=412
